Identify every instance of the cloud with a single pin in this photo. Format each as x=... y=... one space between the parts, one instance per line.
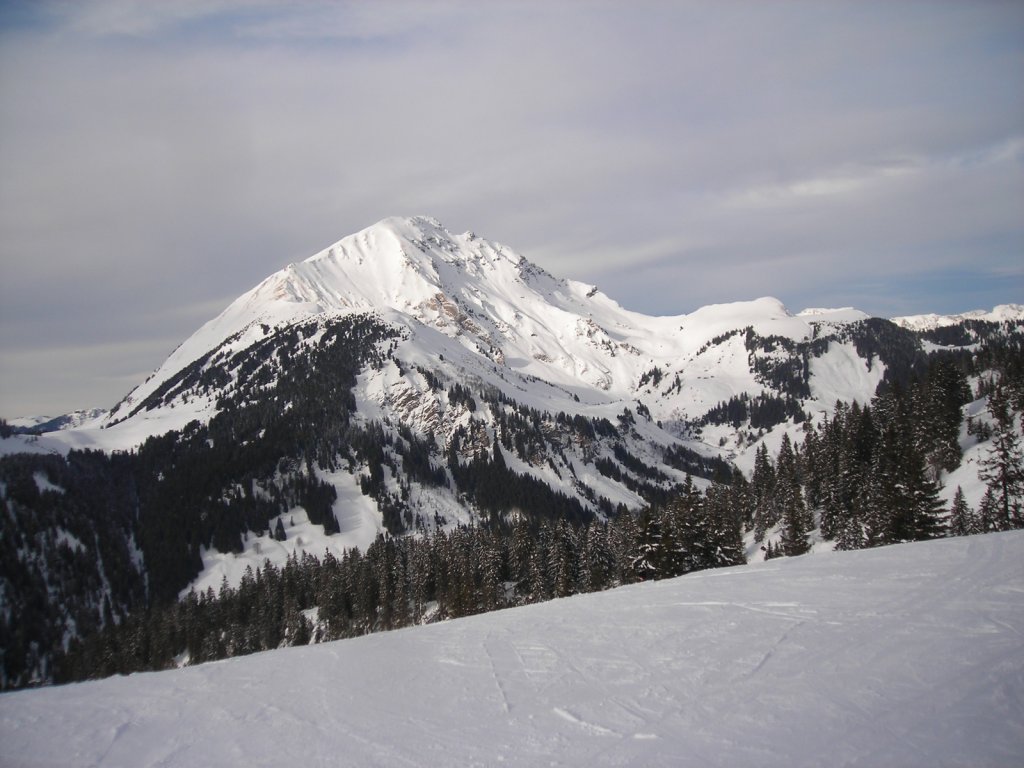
x=844 y=183
x=156 y=155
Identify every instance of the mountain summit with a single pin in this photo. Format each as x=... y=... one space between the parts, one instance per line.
x=475 y=311
x=466 y=295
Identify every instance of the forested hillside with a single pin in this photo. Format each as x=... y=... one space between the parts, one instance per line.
x=98 y=547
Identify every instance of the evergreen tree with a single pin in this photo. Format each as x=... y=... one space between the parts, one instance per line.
x=623 y=540
x=789 y=498
x=815 y=467
x=989 y=517
x=648 y=559
x=685 y=534
x=521 y=554
x=1003 y=468
x=924 y=503
x=903 y=499
x=937 y=409
x=597 y=560
x=962 y=521
x=562 y=559
x=491 y=568
x=724 y=522
x=763 y=492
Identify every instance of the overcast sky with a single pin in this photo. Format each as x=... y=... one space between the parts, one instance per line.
x=159 y=159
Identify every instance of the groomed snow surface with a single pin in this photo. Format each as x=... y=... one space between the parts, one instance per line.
x=911 y=655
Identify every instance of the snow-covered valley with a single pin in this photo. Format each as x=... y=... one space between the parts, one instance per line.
x=908 y=655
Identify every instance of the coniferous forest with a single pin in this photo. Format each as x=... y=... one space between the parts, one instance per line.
x=96 y=548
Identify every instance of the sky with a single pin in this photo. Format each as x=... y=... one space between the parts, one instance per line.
x=157 y=160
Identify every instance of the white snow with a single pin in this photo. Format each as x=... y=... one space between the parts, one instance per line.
x=842 y=374
x=901 y=656
x=44 y=484
x=29 y=444
x=840 y=315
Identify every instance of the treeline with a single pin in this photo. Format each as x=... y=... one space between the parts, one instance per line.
x=401 y=581
x=764 y=411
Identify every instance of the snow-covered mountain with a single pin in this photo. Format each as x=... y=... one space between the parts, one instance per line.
x=473 y=310
x=907 y=656
x=927 y=322
x=408 y=380
x=495 y=316
x=55 y=423
x=473 y=347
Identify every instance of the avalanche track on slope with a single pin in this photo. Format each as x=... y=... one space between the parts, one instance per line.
x=909 y=655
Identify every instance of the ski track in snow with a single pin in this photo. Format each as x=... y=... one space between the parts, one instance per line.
x=901 y=656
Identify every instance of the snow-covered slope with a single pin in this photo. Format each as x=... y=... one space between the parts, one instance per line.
x=900 y=656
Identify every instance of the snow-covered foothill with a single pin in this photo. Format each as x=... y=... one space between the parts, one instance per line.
x=1000 y=314
x=908 y=655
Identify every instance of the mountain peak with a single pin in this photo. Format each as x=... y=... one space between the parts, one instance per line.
x=407 y=228
x=483 y=303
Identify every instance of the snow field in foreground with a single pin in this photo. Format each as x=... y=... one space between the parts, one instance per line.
x=910 y=655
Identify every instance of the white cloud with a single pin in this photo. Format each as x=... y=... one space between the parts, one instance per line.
x=154 y=154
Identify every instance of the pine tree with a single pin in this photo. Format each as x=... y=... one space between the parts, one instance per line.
x=725 y=522
x=623 y=540
x=491 y=571
x=1003 y=468
x=562 y=559
x=937 y=404
x=961 y=517
x=521 y=555
x=597 y=558
x=683 y=533
x=989 y=517
x=646 y=563
x=789 y=499
x=741 y=497
x=903 y=499
x=763 y=492
x=540 y=572
x=925 y=502
x=814 y=468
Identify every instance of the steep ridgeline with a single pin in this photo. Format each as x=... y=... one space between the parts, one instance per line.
x=408 y=380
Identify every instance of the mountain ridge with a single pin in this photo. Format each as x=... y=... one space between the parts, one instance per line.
x=412 y=271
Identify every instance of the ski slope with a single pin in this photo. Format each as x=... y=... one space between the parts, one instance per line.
x=903 y=656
